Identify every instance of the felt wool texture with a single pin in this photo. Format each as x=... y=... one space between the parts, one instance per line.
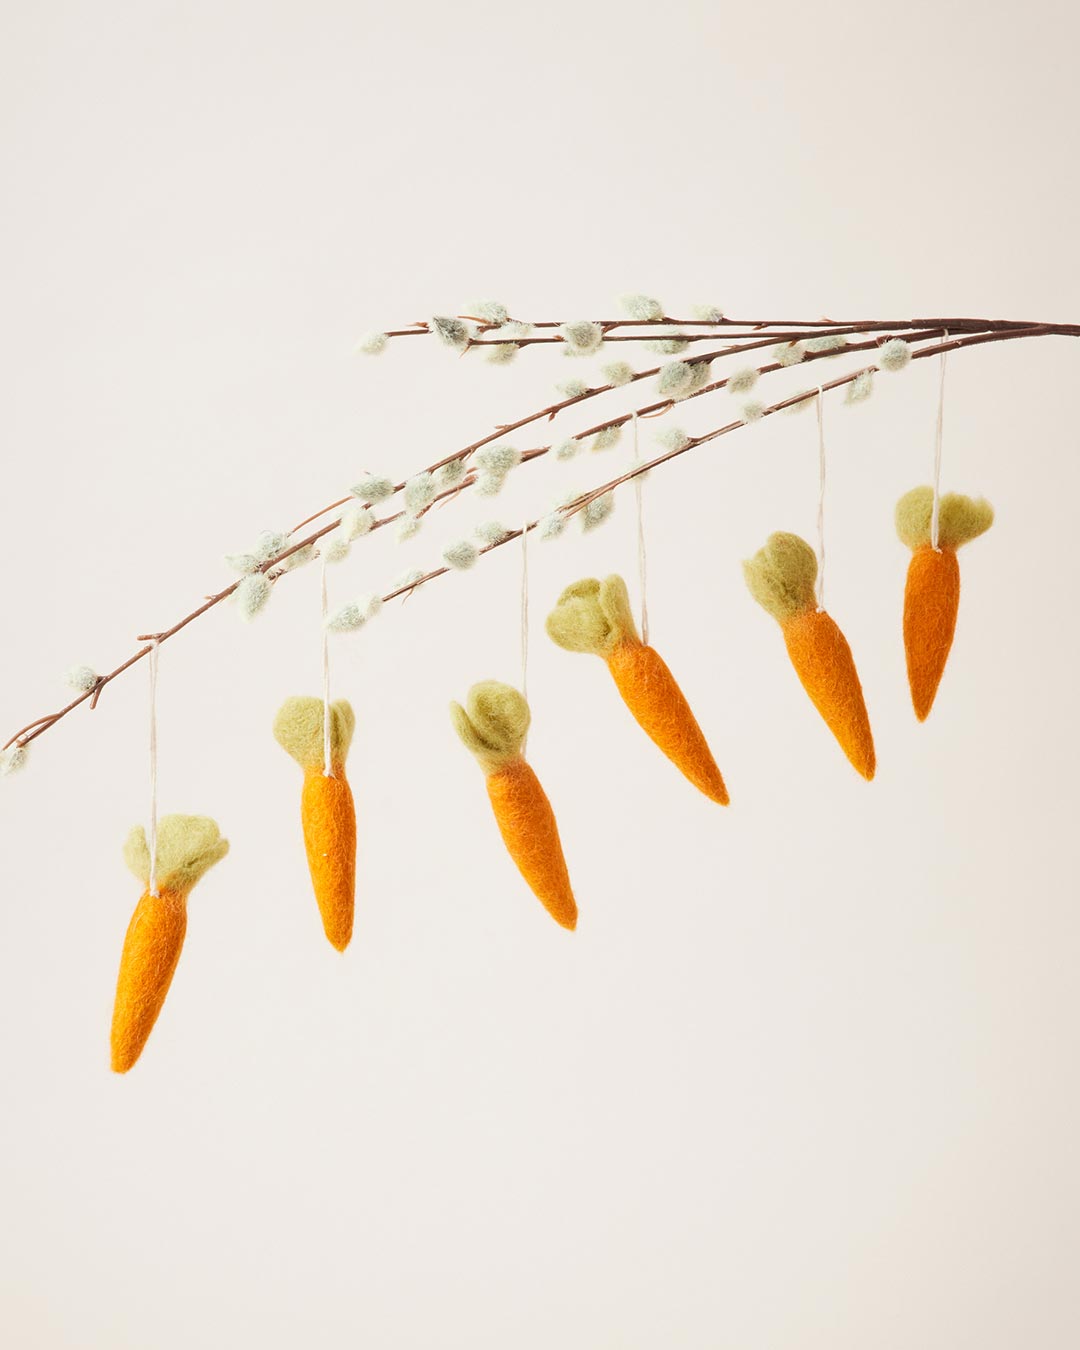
x=594 y=616
x=552 y=525
x=356 y=521
x=641 y=307
x=597 y=511
x=13 y=759
x=419 y=493
x=373 y=488
x=781 y=579
x=451 y=330
x=498 y=459
x=81 y=678
x=461 y=554
x=493 y=725
x=187 y=847
x=300 y=558
x=448 y=475
x=618 y=373
x=605 y=438
x=327 y=811
x=932 y=590
x=251 y=595
x=372 y=344
x=860 y=388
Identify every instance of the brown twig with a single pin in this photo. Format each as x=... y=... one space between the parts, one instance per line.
x=815 y=326
x=552 y=410
x=994 y=331
x=579 y=503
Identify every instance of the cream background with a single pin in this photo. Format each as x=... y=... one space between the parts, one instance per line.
x=806 y=1076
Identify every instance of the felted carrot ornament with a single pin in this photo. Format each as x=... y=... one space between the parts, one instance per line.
x=932 y=592
x=187 y=846
x=493 y=725
x=326 y=806
x=594 y=616
x=781 y=578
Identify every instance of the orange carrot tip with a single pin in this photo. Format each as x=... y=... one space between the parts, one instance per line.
x=594 y=616
x=327 y=813
x=932 y=591
x=781 y=578
x=187 y=847
x=493 y=725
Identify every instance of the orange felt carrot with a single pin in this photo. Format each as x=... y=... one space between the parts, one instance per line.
x=594 y=616
x=187 y=846
x=493 y=725
x=781 y=579
x=326 y=806
x=932 y=592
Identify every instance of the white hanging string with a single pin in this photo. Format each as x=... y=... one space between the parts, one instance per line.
x=525 y=609
x=638 y=484
x=328 y=771
x=935 y=509
x=819 y=589
x=152 y=841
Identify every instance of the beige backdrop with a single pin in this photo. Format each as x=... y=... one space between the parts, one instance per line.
x=805 y=1078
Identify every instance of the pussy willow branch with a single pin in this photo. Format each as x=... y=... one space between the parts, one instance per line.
x=750 y=342
x=996 y=331
x=553 y=409
x=819 y=327
x=579 y=503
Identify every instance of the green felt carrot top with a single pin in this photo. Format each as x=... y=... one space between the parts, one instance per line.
x=593 y=616
x=781 y=576
x=493 y=724
x=299 y=730
x=187 y=847
x=960 y=518
x=781 y=579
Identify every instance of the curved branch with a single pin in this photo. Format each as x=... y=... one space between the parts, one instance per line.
x=958 y=325
x=552 y=410
x=579 y=503
x=994 y=331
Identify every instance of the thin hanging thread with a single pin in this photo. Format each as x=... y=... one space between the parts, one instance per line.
x=525 y=609
x=524 y=620
x=638 y=484
x=820 y=586
x=935 y=509
x=152 y=883
x=328 y=771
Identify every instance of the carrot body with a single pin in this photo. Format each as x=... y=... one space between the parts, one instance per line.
x=493 y=726
x=659 y=706
x=931 y=603
x=329 y=820
x=782 y=578
x=932 y=591
x=594 y=616
x=824 y=664
x=186 y=848
x=152 y=946
x=527 y=825
x=327 y=812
